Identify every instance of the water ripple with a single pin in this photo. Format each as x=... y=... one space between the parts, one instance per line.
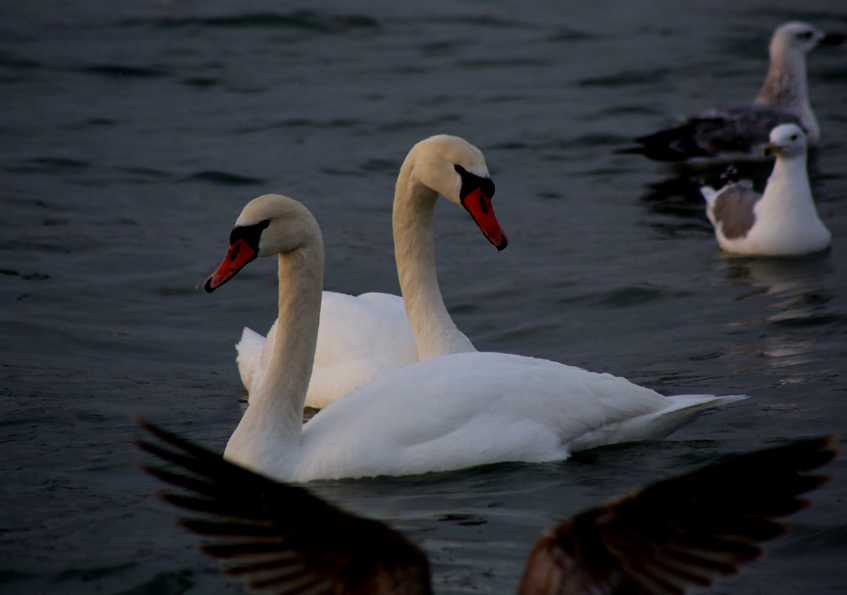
x=302 y=19
x=224 y=178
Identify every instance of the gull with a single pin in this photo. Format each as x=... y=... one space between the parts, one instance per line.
x=781 y=222
x=742 y=131
x=660 y=539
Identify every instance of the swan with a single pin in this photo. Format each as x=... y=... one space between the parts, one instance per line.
x=361 y=338
x=447 y=412
x=781 y=222
x=661 y=538
x=742 y=131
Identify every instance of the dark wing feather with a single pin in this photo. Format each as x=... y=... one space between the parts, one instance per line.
x=679 y=532
x=740 y=129
x=733 y=208
x=737 y=130
x=671 y=144
x=280 y=538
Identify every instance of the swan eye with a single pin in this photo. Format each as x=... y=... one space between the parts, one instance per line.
x=471 y=182
x=249 y=233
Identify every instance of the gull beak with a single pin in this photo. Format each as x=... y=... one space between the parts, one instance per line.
x=832 y=39
x=772 y=149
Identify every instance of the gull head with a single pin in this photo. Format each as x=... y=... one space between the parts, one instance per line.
x=787 y=140
x=799 y=37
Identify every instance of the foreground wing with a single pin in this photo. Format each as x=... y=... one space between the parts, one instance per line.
x=280 y=538
x=680 y=532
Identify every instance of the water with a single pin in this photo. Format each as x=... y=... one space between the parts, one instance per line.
x=132 y=133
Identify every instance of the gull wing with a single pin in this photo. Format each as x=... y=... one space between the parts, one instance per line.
x=677 y=533
x=279 y=538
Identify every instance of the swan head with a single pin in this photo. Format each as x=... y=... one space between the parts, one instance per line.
x=798 y=38
x=269 y=225
x=456 y=169
x=787 y=140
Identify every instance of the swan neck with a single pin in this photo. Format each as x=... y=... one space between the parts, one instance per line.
x=275 y=414
x=434 y=330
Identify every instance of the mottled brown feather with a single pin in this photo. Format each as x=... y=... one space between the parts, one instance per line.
x=279 y=538
x=733 y=210
x=738 y=130
x=679 y=532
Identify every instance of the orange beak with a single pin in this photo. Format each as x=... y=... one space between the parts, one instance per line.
x=240 y=253
x=478 y=204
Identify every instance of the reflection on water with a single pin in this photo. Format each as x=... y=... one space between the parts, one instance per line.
x=801 y=282
x=792 y=297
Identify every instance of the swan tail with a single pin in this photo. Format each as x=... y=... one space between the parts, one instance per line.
x=682 y=410
x=658 y=424
x=249 y=357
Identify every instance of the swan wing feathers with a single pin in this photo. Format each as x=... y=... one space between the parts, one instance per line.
x=359 y=339
x=279 y=538
x=359 y=329
x=254 y=356
x=679 y=532
x=677 y=411
x=469 y=409
x=249 y=350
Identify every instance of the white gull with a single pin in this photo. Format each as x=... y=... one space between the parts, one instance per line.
x=781 y=222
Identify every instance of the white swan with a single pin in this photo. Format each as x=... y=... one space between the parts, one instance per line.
x=361 y=338
x=781 y=222
x=444 y=413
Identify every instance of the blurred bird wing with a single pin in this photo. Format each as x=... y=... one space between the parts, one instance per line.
x=280 y=539
x=679 y=532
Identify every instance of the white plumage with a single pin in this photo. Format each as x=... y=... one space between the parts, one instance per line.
x=450 y=411
x=783 y=221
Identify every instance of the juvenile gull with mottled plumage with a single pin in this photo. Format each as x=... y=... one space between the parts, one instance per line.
x=781 y=222
x=742 y=132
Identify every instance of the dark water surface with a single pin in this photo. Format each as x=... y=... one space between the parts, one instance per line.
x=131 y=134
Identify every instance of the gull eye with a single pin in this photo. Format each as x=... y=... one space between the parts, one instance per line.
x=793 y=137
x=805 y=35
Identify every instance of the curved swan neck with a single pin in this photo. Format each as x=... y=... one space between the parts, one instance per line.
x=300 y=290
x=434 y=330
x=269 y=434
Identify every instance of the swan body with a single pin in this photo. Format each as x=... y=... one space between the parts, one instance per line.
x=741 y=132
x=359 y=338
x=783 y=220
x=453 y=409
x=471 y=409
